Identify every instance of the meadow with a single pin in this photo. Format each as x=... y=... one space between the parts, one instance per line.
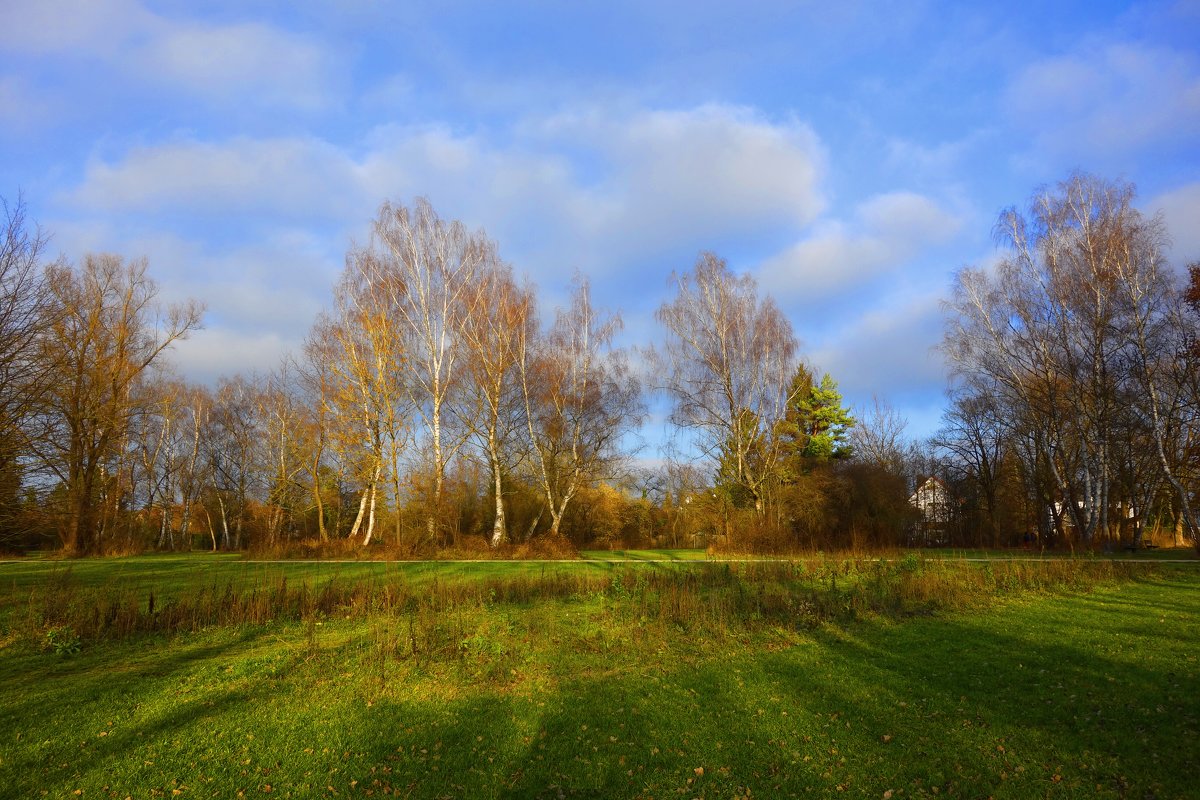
x=657 y=675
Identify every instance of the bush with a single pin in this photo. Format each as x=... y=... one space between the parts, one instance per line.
x=63 y=640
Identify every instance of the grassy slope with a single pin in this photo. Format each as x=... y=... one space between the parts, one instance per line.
x=1067 y=696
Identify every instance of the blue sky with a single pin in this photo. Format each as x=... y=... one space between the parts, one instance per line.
x=850 y=155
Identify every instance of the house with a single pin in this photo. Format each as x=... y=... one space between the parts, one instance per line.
x=934 y=502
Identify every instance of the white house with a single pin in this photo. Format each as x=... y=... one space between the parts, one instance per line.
x=933 y=500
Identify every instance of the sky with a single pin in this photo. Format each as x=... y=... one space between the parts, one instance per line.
x=851 y=156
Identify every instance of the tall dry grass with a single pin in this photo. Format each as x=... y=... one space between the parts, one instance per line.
x=705 y=596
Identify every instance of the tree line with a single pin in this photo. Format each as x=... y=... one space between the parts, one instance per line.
x=432 y=407
x=1074 y=414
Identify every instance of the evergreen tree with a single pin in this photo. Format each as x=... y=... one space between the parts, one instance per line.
x=816 y=426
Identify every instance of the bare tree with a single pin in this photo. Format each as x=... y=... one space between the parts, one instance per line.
x=580 y=400
x=1054 y=331
x=154 y=444
x=25 y=311
x=502 y=318
x=233 y=453
x=1163 y=359
x=878 y=438
x=106 y=332
x=319 y=380
x=194 y=476
x=434 y=263
x=974 y=435
x=727 y=364
x=358 y=355
x=280 y=410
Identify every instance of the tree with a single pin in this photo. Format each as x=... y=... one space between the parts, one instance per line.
x=107 y=330
x=280 y=408
x=435 y=263
x=878 y=437
x=744 y=453
x=580 y=401
x=194 y=475
x=1063 y=332
x=727 y=363
x=502 y=316
x=152 y=445
x=233 y=453
x=973 y=434
x=358 y=361
x=816 y=425
x=25 y=311
x=1164 y=360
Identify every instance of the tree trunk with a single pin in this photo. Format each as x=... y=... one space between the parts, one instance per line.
x=371 y=518
x=224 y=521
x=324 y=535
x=499 y=526
x=212 y=531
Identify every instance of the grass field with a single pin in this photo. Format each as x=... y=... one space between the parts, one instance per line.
x=828 y=679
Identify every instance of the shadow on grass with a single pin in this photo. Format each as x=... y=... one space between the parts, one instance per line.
x=972 y=709
x=998 y=703
x=97 y=681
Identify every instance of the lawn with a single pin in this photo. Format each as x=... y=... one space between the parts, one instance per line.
x=649 y=680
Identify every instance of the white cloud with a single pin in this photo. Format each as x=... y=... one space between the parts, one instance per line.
x=719 y=166
x=598 y=193
x=271 y=177
x=260 y=299
x=694 y=175
x=1181 y=210
x=266 y=65
x=1108 y=100
x=607 y=197
x=72 y=27
x=213 y=352
x=888 y=231
x=888 y=350
x=226 y=64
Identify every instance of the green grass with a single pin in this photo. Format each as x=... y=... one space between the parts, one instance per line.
x=681 y=554
x=1156 y=554
x=175 y=574
x=643 y=681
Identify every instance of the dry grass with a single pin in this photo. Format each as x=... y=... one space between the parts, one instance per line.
x=696 y=596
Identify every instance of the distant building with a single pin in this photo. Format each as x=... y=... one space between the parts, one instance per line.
x=934 y=502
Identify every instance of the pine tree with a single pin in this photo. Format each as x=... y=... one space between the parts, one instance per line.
x=816 y=427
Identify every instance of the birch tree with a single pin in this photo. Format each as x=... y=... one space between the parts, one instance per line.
x=727 y=363
x=279 y=408
x=581 y=400
x=1163 y=359
x=358 y=355
x=233 y=454
x=435 y=263
x=502 y=319
x=1053 y=330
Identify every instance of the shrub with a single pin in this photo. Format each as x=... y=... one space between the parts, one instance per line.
x=63 y=640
